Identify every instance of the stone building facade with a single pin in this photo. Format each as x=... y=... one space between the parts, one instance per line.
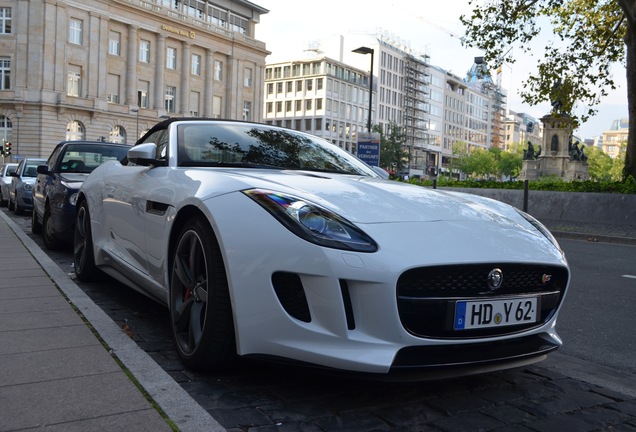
x=110 y=70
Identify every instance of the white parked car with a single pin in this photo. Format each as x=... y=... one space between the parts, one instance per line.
x=272 y=243
x=5 y=180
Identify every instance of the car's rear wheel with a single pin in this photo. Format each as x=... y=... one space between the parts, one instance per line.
x=50 y=240
x=200 y=308
x=36 y=226
x=83 y=259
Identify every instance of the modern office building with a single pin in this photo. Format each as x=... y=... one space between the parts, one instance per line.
x=522 y=128
x=318 y=95
x=110 y=70
x=434 y=108
x=615 y=136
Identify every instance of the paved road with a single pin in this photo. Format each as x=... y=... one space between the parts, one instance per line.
x=563 y=392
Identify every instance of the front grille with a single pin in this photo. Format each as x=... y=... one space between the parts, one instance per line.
x=427 y=295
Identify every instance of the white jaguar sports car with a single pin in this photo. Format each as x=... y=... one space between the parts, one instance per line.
x=271 y=243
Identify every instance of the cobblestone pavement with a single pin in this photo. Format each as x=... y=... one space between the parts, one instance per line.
x=560 y=393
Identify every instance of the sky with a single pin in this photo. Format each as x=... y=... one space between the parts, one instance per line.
x=291 y=27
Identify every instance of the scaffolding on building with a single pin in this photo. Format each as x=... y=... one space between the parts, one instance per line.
x=416 y=108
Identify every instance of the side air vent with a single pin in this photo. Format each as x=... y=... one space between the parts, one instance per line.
x=290 y=292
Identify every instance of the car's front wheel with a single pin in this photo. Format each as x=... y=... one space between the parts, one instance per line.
x=200 y=309
x=83 y=258
x=36 y=226
x=17 y=208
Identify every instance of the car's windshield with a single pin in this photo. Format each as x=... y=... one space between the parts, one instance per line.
x=84 y=158
x=245 y=145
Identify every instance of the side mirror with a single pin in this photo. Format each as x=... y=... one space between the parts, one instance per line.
x=43 y=169
x=143 y=154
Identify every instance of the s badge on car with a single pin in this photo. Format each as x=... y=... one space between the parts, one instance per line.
x=495 y=279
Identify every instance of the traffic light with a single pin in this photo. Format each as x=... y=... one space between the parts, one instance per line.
x=7 y=148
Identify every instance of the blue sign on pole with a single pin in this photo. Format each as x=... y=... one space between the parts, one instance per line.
x=369 y=148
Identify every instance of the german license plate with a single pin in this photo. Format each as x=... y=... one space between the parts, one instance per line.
x=495 y=313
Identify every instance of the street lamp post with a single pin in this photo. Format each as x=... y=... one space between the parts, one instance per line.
x=367 y=50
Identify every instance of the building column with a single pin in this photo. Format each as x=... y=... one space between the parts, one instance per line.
x=186 y=66
x=160 y=68
x=131 y=67
x=209 y=81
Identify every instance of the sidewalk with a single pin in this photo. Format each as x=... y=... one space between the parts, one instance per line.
x=55 y=372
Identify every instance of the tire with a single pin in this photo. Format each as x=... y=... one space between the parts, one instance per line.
x=83 y=258
x=36 y=227
x=3 y=202
x=48 y=233
x=200 y=308
x=18 y=210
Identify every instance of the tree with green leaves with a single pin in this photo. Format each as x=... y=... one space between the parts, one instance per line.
x=393 y=156
x=575 y=68
x=599 y=164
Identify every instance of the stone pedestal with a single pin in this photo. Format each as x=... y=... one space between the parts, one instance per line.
x=554 y=160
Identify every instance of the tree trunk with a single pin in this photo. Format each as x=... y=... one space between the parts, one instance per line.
x=629 y=8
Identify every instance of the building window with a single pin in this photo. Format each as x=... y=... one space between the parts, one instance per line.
x=299 y=86
x=247 y=77
x=289 y=85
x=308 y=105
x=319 y=84
x=117 y=135
x=114 y=43
x=299 y=105
x=75 y=31
x=270 y=88
x=218 y=70
x=318 y=104
x=194 y=103
x=269 y=107
x=5 y=74
x=74 y=84
x=169 y=102
x=144 y=51
x=279 y=106
x=288 y=106
x=279 y=87
x=238 y=24
x=196 y=64
x=6 y=128
x=247 y=111
x=217 y=102
x=171 y=58
x=75 y=131
x=112 y=86
x=142 y=94
x=5 y=20
x=309 y=84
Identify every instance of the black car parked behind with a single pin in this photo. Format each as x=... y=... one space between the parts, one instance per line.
x=58 y=182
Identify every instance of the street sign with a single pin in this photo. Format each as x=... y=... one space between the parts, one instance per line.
x=368 y=149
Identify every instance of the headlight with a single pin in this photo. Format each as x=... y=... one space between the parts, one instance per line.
x=312 y=222
x=72 y=200
x=542 y=229
x=28 y=187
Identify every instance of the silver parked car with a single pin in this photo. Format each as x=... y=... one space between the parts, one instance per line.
x=5 y=180
x=21 y=187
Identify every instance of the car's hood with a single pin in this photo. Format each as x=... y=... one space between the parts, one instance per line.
x=369 y=200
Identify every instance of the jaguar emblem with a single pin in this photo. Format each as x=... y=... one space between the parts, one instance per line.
x=495 y=279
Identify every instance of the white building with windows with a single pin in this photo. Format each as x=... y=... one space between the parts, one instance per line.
x=112 y=69
x=320 y=96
